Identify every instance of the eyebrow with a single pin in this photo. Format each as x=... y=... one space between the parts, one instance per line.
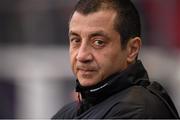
x=99 y=33
x=93 y=34
x=73 y=33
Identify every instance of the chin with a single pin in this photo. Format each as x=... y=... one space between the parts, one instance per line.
x=87 y=82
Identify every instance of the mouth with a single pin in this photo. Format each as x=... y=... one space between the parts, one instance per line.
x=86 y=71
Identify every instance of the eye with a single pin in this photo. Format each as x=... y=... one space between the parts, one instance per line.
x=75 y=40
x=99 y=43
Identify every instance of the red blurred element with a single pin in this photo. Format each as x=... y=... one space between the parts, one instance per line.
x=163 y=18
x=177 y=25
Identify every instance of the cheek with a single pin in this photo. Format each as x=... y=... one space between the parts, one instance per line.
x=110 y=63
x=72 y=60
x=105 y=63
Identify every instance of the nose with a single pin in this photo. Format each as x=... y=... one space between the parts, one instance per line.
x=84 y=54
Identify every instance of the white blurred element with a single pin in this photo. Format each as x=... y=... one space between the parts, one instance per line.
x=31 y=99
x=159 y=63
x=163 y=67
x=176 y=84
x=35 y=69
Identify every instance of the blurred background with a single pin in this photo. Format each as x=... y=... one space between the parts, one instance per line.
x=35 y=74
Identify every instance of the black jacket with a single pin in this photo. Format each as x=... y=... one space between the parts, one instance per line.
x=128 y=94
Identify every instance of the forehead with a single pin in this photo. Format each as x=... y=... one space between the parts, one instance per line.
x=103 y=19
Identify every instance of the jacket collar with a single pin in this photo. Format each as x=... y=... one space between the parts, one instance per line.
x=135 y=74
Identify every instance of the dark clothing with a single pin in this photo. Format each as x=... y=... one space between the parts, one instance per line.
x=128 y=94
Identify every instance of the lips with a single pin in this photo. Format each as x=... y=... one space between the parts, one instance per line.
x=86 y=73
x=86 y=70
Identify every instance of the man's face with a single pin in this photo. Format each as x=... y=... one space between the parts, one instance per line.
x=95 y=47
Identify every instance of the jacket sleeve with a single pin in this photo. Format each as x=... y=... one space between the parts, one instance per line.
x=67 y=112
x=139 y=103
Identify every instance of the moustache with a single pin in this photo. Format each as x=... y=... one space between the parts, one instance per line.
x=86 y=67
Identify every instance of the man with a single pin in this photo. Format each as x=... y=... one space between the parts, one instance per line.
x=104 y=45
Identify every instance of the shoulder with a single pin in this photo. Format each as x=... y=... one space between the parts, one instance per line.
x=68 y=111
x=138 y=102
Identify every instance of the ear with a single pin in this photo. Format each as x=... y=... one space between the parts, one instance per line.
x=133 y=48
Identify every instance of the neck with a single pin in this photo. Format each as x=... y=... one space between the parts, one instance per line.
x=113 y=84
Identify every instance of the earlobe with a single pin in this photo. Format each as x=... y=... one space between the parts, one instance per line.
x=133 y=48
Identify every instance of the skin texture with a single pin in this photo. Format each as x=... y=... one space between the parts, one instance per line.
x=95 y=47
